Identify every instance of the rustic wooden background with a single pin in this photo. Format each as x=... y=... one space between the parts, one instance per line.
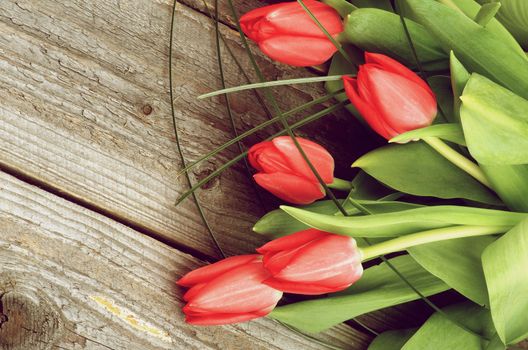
x=90 y=240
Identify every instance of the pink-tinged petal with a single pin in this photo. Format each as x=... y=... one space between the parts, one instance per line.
x=275 y=262
x=207 y=273
x=226 y=318
x=291 y=188
x=238 y=291
x=256 y=150
x=367 y=111
x=322 y=259
x=272 y=161
x=250 y=21
x=390 y=65
x=301 y=288
x=193 y=291
x=318 y=156
x=403 y=104
x=292 y=19
x=292 y=241
x=298 y=51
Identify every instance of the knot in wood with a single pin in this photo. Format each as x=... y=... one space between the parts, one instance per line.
x=147 y=109
x=205 y=171
x=27 y=321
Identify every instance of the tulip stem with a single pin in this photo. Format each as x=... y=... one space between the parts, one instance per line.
x=430 y=236
x=342 y=185
x=457 y=159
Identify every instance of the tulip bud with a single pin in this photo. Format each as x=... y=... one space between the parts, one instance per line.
x=283 y=171
x=287 y=34
x=229 y=291
x=312 y=262
x=391 y=98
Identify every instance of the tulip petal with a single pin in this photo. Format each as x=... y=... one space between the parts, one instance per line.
x=193 y=291
x=272 y=161
x=208 y=272
x=225 y=318
x=250 y=20
x=256 y=150
x=292 y=241
x=303 y=288
x=367 y=111
x=291 y=188
x=388 y=64
x=298 y=51
x=292 y=19
x=238 y=291
x=322 y=259
x=402 y=103
x=317 y=154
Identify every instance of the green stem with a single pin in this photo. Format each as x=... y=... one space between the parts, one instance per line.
x=339 y=184
x=457 y=159
x=430 y=236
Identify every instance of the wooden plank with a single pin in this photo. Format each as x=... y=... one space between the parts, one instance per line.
x=74 y=279
x=85 y=110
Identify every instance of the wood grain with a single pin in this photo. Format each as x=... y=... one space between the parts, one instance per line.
x=85 y=110
x=73 y=279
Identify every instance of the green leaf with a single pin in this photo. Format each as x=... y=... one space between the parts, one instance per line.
x=404 y=222
x=449 y=132
x=381 y=4
x=365 y=186
x=439 y=332
x=513 y=14
x=378 y=288
x=509 y=181
x=487 y=12
x=495 y=122
x=457 y=263
x=505 y=263
x=441 y=86
x=471 y=8
x=391 y=340
x=381 y=31
x=341 y=6
x=459 y=79
x=476 y=47
x=417 y=169
x=278 y=223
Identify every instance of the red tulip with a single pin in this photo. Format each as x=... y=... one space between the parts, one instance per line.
x=312 y=262
x=286 y=33
x=390 y=97
x=229 y=291
x=284 y=172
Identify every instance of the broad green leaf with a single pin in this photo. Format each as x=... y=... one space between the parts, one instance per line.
x=495 y=122
x=441 y=86
x=366 y=187
x=513 y=14
x=341 y=6
x=391 y=340
x=417 y=169
x=462 y=329
x=459 y=79
x=278 y=223
x=381 y=31
x=449 y=132
x=378 y=288
x=505 y=262
x=404 y=222
x=509 y=181
x=475 y=46
x=457 y=263
x=471 y=8
x=381 y=4
x=487 y=12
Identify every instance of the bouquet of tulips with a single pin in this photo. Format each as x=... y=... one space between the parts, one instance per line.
x=445 y=83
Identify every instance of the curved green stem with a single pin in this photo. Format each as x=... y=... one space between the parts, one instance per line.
x=340 y=184
x=457 y=159
x=430 y=236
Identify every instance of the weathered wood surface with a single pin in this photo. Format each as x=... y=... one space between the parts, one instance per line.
x=85 y=110
x=74 y=279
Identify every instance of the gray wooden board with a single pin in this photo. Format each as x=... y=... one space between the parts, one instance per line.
x=73 y=279
x=84 y=108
